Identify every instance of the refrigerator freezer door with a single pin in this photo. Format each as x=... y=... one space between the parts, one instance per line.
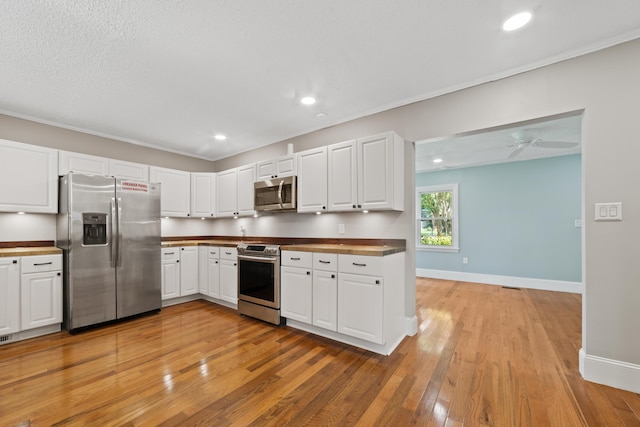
x=139 y=249
x=90 y=296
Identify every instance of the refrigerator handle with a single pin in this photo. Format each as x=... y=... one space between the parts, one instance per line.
x=112 y=252
x=119 y=239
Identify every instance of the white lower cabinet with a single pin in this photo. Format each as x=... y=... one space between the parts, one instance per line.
x=229 y=275
x=360 y=307
x=188 y=270
x=325 y=299
x=296 y=293
x=357 y=299
x=209 y=271
x=9 y=295
x=170 y=273
x=40 y=291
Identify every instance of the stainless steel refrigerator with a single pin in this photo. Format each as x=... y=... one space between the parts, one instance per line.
x=109 y=231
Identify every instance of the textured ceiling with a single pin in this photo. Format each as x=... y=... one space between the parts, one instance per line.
x=171 y=74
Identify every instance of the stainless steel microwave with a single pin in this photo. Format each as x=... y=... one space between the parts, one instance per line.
x=276 y=195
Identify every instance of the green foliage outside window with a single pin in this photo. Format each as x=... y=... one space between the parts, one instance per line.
x=436 y=223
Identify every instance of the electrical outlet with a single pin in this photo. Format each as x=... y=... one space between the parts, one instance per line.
x=341 y=229
x=465 y=260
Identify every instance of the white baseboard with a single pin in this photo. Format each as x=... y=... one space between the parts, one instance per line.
x=411 y=326
x=511 y=281
x=610 y=372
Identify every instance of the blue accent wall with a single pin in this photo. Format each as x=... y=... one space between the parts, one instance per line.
x=515 y=219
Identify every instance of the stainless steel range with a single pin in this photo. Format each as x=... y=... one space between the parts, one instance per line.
x=259 y=281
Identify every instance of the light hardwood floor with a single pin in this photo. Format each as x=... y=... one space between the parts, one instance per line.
x=483 y=355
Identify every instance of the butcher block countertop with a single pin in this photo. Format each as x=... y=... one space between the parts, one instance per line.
x=29 y=251
x=370 y=250
x=335 y=248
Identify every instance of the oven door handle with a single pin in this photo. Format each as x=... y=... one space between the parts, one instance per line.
x=266 y=260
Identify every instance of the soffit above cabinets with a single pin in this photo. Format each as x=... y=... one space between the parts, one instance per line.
x=171 y=75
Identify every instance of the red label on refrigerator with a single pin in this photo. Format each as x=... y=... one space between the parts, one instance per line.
x=135 y=186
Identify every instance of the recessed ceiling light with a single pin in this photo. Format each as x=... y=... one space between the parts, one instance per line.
x=220 y=137
x=437 y=160
x=308 y=100
x=518 y=20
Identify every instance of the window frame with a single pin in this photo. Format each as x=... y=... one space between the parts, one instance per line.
x=453 y=188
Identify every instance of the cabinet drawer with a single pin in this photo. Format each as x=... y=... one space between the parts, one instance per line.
x=325 y=262
x=228 y=253
x=170 y=254
x=41 y=263
x=297 y=259
x=213 y=252
x=360 y=264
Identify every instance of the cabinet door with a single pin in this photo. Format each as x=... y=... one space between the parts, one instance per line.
x=213 y=272
x=189 y=270
x=265 y=170
x=360 y=309
x=342 y=176
x=229 y=280
x=41 y=299
x=312 y=180
x=9 y=295
x=128 y=170
x=325 y=299
x=203 y=272
x=296 y=293
x=246 y=178
x=29 y=177
x=203 y=194
x=82 y=163
x=375 y=172
x=175 y=190
x=170 y=278
x=227 y=193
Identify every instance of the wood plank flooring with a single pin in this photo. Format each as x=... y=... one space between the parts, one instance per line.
x=484 y=355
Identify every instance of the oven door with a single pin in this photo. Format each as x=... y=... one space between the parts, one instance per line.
x=259 y=280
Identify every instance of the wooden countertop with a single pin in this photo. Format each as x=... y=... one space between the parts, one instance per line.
x=223 y=243
x=29 y=251
x=369 y=250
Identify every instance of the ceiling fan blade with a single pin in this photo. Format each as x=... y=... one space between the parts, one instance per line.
x=555 y=144
x=516 y=152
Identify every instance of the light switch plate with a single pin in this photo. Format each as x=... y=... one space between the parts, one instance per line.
x=608 y=212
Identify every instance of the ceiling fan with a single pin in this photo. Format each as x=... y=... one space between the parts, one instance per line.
x=526 y=139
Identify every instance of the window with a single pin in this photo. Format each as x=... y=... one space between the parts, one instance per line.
x=437 y=217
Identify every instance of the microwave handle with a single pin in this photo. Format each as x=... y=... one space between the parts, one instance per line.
x=280 y=191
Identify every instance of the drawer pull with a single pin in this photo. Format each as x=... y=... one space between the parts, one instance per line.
x=295 y=259
x=333 y=276
x=359 y=265
x=15 y=261
x=228 y=253
x=43 y=263
x=169 y=253
x=377 y=282
x=324 y=262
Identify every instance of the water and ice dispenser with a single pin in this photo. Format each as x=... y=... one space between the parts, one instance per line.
x=94 y=228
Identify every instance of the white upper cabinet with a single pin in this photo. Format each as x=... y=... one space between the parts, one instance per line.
x=175 y=194
x=82 y=163
x=128 y=170
x=29 y=176
x=203 y=194
x=367 y=173
x=246 y=178
x=234 y=192
x=227 y=193
x=342 y=176
x=312 y=180
x=381 y=172
x=277 y=168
